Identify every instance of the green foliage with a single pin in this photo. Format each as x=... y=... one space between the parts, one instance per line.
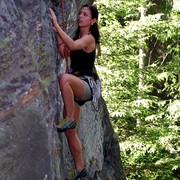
x=146 y=118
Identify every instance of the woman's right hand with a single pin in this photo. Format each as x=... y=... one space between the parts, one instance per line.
x=54 y=19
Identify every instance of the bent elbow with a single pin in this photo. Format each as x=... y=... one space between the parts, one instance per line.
x=71 y=47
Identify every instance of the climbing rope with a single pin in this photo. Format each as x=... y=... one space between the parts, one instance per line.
x=66 y=50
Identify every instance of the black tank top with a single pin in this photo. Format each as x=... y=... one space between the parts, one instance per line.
x=82 y=62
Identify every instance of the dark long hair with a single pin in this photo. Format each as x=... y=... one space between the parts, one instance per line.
x=94 y=28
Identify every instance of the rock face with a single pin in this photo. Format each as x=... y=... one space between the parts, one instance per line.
x=31 y=103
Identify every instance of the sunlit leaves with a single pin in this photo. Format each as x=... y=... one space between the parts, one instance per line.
x=146 y=119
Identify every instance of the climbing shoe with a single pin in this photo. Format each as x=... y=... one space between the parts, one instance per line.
x=75 y=174
x=65 y=124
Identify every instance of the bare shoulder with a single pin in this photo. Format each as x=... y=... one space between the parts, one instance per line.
x=88 y=36
x=85 y=42
x=89 y=39
x=91 y=43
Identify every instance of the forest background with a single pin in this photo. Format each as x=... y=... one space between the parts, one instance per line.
x=139 y=68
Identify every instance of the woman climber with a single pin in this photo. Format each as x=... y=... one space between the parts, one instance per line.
x=76 y=86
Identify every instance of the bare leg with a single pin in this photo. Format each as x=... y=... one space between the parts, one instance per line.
x=74 y=142
x=71 y=87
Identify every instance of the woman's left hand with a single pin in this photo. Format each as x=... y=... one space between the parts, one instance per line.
x=54 y=19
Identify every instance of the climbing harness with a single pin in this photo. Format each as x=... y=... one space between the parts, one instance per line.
x=66 y=50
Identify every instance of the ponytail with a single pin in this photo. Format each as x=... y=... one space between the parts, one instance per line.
x=95 y=32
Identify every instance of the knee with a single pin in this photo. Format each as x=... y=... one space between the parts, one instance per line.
x=62 y=79
x=70 y=133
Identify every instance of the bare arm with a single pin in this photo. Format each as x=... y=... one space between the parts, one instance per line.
x=81 y=43
x=59 y=40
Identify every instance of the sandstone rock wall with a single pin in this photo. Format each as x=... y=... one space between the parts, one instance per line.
x=31 y=103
